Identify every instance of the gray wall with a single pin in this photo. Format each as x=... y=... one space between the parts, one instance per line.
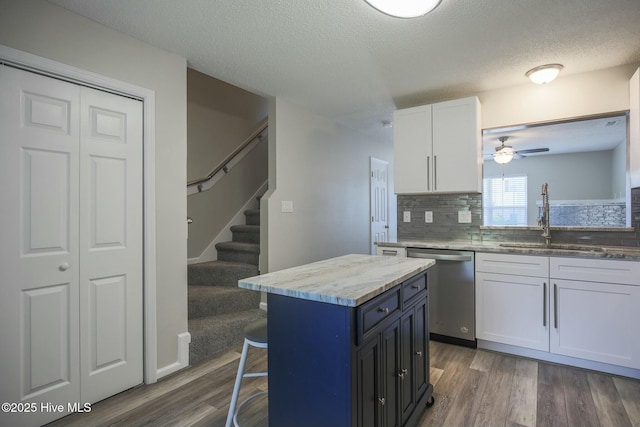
x=324 y=169
x=46 y=30
x=220 y=117
x=575 y=176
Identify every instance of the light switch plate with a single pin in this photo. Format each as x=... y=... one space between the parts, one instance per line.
x=406 y=216
x=464 y=217
x=287 y=206
x=428 y=217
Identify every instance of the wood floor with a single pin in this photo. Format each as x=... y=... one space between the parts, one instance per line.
x=471 y=388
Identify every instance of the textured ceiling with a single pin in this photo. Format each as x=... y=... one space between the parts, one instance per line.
x=346 y=61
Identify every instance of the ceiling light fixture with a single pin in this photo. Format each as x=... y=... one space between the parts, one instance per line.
x=404 y=8
x=504 y=153
x=544 y=73
x=503 y=156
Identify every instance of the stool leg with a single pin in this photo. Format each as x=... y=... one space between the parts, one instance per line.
x=236 y=387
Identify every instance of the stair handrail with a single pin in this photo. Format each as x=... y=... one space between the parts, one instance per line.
x=222 y=166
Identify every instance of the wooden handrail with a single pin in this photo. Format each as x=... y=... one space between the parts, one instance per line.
x=222 y=165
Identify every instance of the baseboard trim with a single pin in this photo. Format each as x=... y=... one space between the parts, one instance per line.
x=183 y=357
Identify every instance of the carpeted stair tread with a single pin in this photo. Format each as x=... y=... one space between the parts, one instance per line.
x=239 y=247
x=239 y=252
x=208 y=301
x=246 y=233
x=213 y=335
x=246 y=228
x=222 y=273
x=252 y=216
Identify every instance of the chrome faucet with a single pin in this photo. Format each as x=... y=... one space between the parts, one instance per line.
x=543 y=221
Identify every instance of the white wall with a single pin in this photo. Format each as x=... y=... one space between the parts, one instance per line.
x=46 y=30
x=569 y=96
x=323 y=169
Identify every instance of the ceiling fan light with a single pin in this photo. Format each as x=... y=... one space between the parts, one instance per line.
x=544 y=73
x=503 y=156
x=404 y=8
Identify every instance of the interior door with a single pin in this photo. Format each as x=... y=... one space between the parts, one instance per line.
x=39 y=257
x=71 y=246
x=379 y=202
x=110 y=244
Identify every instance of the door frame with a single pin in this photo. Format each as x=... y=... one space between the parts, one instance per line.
x=60 y=71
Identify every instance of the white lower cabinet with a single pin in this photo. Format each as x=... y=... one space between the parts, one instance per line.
x=582 y=308
x=512 y=308
x=596 y=320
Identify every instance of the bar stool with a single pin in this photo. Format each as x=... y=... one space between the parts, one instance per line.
x=255 y=334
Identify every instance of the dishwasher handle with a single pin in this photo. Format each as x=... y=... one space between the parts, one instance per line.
x=441 y=257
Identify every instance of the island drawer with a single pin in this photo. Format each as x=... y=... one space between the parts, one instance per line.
x=378 y=309
x=414 y=287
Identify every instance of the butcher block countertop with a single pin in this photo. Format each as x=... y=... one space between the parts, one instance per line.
x=349 y=280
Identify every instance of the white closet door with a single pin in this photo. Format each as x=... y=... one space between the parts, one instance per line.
x=110 y=244
x=39 y=257
x=70 y=245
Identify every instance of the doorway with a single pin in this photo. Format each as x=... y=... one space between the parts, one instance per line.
x=379 y=202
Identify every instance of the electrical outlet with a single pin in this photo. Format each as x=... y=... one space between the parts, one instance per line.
x=428 y=217
x=464 y=217
x=406 y=216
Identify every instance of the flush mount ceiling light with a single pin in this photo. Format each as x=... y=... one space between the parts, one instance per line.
x=404 y=8
x=544 y=73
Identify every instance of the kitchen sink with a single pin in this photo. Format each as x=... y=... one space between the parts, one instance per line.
x=553 y=246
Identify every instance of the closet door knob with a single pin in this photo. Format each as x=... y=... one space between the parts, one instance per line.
x=64 y=266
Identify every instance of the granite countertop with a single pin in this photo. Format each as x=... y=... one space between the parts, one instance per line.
x=557 y=249
x=349 y=280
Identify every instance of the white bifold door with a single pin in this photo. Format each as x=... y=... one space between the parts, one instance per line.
x=70 y=247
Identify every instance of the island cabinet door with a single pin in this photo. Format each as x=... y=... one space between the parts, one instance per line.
x=377 y=380
x=421 y=348
x=406 y=371
x=369 y=389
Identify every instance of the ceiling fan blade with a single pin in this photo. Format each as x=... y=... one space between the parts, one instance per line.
x=533 y=150
x=518 y=156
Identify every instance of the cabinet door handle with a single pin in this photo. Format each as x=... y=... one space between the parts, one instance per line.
x=544 y=304
x=384 y=310
x=555 y=306
x=402 y=373
x=419 y=353
x=416 y=287
x=428 y=177
x=435 y=173
x=381 y=400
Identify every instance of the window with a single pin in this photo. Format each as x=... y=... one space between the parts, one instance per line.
x=504 y=200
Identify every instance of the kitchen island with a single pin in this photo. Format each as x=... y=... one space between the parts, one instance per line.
x=348 y=342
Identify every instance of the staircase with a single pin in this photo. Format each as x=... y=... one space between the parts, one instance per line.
x=218 y=309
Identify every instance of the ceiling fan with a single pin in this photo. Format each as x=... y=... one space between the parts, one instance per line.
x=505 y=153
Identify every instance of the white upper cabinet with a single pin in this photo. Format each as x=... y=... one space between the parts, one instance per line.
x=437 y=148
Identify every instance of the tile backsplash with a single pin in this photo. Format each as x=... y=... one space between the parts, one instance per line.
x=445 y=225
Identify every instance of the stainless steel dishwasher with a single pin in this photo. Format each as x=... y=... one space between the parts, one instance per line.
x=452 y=307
